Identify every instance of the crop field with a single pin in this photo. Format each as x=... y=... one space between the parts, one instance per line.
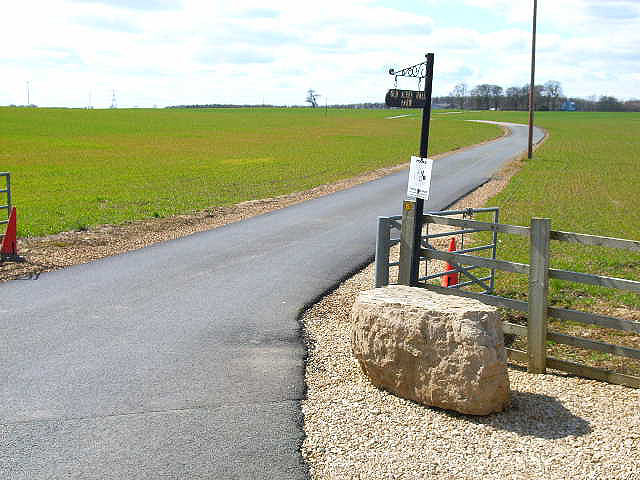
x=72 y=169
x=586 y=179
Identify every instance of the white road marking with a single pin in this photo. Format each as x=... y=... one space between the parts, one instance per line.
x=400 y=116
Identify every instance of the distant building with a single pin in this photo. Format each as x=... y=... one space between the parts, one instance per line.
x=568 y=106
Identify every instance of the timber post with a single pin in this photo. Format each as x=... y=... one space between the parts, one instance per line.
x=538 y=295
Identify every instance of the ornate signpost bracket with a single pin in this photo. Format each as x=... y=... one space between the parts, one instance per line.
x=412 y=210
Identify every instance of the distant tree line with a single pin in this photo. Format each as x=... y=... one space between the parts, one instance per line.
x=484 y=97
x=224 y=105
x=366 y=105
x=229 y=105
x=547 y=97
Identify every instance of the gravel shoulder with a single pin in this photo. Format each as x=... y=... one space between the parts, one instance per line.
x=559 y=426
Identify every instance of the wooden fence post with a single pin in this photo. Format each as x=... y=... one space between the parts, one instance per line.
x=538 y=293
x=410 y=243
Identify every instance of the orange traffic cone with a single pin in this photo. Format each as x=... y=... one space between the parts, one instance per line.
x=10 y=242
x=450 y=279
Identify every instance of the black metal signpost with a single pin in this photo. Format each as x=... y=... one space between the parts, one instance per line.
x=412 y=211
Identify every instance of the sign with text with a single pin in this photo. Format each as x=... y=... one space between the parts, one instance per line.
x=405 y=98
x=420 y=178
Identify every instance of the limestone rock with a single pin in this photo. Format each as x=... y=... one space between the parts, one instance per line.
x=440 y=350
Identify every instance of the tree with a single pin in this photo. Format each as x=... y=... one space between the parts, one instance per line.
x=495 y=91
x=553 y=92
x=514 y=99
x=312 y=98
x=481 y=96
x=537 y=96
x=632 y=105
x=609 y=104
x=459 y=93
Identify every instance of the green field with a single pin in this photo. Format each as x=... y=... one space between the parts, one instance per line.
x=75 y=168
x=586 y=179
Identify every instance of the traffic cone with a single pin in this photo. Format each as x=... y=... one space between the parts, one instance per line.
x=10 y=242
x=450 y=279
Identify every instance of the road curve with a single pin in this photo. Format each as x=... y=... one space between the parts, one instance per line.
x=184 y=359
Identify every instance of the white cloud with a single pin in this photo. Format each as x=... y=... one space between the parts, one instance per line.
x=201 y=51
x=136 y=4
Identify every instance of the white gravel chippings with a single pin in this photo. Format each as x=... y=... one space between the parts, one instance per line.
x=559 y=427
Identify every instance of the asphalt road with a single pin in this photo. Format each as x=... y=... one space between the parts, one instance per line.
x=184 y=359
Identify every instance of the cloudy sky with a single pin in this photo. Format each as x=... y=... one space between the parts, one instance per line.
x=167 y=52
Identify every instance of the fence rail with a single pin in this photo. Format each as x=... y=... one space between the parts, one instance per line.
x=594 y=319
x=539 y=273
x=581 y=369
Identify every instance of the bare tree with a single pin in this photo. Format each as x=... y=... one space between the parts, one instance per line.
x=312 y=98
x=496 y=94
x=553 y=91
x=512 y=99
x=609 y=104
x=481 y=95
x=460 y=93
x=538 y=96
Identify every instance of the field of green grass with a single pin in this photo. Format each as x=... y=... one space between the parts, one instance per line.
x=75 y=168
x=586 y=179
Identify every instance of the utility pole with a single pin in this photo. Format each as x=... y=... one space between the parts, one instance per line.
x=532 y=85
x=28 y=99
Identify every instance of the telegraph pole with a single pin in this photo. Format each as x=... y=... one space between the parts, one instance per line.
x=532 y=85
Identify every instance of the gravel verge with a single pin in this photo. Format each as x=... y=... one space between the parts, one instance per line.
x=559 y=426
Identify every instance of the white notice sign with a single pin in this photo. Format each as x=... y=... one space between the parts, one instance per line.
x=419 y=178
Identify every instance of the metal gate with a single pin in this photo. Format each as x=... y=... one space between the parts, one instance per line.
x=384 y=242
x=5 y=195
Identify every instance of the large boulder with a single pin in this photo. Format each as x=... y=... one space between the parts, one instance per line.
x=439 y=350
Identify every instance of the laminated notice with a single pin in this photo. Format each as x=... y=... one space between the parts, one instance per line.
x=419 y=178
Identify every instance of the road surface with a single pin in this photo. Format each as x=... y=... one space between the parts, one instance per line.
x=184 y=359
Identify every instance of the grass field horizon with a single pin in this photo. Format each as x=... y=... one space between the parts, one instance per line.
x=73 y=168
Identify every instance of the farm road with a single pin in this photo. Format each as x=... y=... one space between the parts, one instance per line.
x=184 y=360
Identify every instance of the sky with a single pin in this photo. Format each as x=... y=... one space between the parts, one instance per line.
x=75 y=53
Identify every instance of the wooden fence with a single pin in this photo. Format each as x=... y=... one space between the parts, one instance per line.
x=539 y=272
